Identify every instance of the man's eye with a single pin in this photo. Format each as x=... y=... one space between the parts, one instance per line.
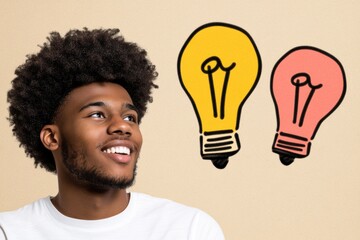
x=130 y=118
x=97 y=115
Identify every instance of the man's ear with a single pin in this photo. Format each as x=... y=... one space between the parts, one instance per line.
x=49 y=137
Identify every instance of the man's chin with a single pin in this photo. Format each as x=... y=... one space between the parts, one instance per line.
x=99 y=181
x=106 y=186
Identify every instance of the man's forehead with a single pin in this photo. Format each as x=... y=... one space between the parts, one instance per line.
x=105 y=92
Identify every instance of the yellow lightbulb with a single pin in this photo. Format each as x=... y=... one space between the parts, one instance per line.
x=218 y=67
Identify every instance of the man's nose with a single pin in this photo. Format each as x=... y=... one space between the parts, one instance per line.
x=119 y=126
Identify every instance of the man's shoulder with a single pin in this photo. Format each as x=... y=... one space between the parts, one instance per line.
x=24 y=213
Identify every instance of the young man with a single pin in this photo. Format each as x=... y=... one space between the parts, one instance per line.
x=76 y=107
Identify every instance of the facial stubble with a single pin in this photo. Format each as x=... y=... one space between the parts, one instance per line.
x=91 y=176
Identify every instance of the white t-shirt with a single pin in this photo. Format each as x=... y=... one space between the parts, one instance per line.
x=145 y=218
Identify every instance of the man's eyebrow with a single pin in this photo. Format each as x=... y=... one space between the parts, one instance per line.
x=131 y=107
x=92 y=104
x=102 y=104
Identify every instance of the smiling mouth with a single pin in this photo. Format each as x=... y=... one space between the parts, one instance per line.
x=118 y=150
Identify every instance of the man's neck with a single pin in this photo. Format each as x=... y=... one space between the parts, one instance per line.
x=91 y=204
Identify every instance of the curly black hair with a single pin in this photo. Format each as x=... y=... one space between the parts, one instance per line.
x=79 y=58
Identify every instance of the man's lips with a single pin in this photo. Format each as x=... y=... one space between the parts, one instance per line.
x=118 y=158
x=118 y=146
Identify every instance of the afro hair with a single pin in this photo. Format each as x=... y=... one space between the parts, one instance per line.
x=64 y=63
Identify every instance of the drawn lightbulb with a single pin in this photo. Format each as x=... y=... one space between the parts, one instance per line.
x=218 y=67
x=307 y=85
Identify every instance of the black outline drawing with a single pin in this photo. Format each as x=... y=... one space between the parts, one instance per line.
x=287 y=157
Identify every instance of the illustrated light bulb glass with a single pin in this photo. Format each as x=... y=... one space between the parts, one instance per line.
x=307 y=85
x=218 y=67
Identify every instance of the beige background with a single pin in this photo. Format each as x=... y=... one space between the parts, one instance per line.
x=255 y=197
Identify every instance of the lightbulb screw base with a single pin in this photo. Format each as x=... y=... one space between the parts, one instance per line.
x=220 y=163
x=286 y=159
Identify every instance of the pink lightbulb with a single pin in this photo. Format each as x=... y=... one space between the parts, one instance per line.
x=307 y=85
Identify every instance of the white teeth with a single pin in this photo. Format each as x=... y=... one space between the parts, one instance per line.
x=118 y=149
